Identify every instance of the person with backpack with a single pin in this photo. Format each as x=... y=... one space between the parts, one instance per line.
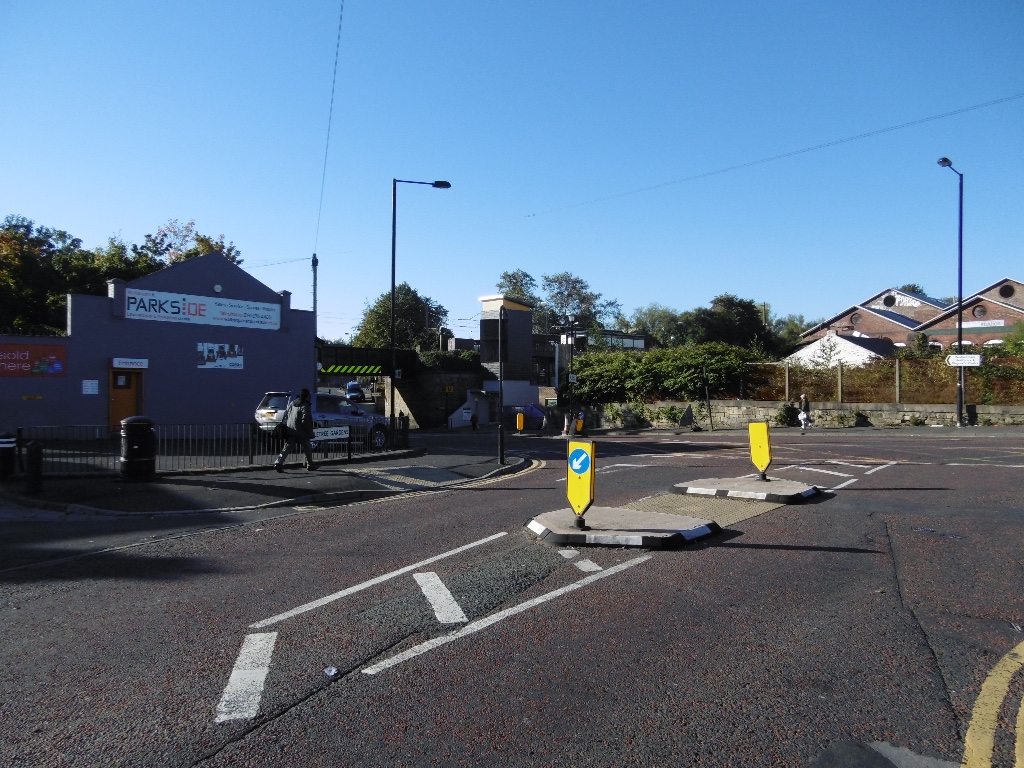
x=298 y=429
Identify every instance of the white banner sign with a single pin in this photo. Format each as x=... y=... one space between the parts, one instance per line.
x=330 y=433
x=200 y=310
x=213 y=355
x=130 y=362
x=963 y=361
x=984 y=324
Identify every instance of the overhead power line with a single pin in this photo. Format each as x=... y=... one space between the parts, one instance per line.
x=330 y=115
x=773 y=158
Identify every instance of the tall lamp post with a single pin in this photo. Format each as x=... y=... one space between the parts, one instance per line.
x=501 y=387
x=945 y=162
x=571 y=325
x=394 y=221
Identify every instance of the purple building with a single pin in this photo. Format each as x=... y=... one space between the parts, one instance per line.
x=198 y=342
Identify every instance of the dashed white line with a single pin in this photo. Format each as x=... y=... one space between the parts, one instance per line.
x=587 y=566
x=848 y=464
x=843 y=485
x=372 y=582
x=883 y=466
x=241 y=697
x=476 y=626
x=822 y=471
x=440 y=598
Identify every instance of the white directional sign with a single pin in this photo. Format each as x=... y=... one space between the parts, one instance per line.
x=957 y=361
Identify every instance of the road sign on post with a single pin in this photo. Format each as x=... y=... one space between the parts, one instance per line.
x=760 y=446
x=963 y=361
x=579 y=486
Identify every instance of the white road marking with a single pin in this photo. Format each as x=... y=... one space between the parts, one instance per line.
x=872 y=471
x=587 y=566
x=848 y=464
x=241 y=697
x=568 y=554
x=371 y=583
x=609 y=469
x=952 y=464
x=446 y=608
x=843 y=485
x=476 y=626
x=822 y=471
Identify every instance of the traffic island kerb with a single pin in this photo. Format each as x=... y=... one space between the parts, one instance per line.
x=776 y=490
x=620 y=527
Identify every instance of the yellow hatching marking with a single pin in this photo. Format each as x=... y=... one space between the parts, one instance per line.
x=981 y=732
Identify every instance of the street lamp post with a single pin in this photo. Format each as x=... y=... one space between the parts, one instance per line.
x=571 y=325
x=391 y=337
x=945 y=162
x=501 y=388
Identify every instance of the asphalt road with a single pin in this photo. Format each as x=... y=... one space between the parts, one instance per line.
x=859 y=629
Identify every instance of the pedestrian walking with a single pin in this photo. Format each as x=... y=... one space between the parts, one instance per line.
x=474 y=420
x=805 y=413
x=298 y=429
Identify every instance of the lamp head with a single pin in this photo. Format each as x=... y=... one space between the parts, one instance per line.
x=441 y=185
x=945 y=162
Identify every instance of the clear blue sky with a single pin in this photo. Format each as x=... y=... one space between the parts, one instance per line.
x=579 y=136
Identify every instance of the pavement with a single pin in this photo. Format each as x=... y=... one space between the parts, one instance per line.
x=250 y=488
x=448 y=463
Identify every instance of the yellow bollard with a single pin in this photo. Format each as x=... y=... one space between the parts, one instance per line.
x=520 y=421
x=760 y=446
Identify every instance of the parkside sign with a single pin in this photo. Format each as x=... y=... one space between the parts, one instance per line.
x=200 y=310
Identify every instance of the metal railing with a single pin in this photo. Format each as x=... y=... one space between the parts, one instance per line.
x=179 y=447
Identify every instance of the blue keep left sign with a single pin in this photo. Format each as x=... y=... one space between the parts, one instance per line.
x=579 y=461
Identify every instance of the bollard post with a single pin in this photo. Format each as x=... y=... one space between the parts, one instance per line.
x=8 y=446
x=138 y=448
x=34 y=467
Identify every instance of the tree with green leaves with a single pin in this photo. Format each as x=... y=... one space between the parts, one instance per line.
x=658 y=322
x=412 y=321
x=40 y=266
x=729 y=320
x=566 y=294
x=912 y=288
x=787 y=331
x=174 y=242
x=678 y=373
x=519 y=285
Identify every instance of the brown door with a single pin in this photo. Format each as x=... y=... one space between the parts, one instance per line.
x=125 y=396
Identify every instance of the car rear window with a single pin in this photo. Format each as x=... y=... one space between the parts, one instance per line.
x=277 y=400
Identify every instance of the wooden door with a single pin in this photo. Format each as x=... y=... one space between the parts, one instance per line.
x=125 y=396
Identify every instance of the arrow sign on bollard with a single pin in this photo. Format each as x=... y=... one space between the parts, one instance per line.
x=579 y=486
x=760 y=446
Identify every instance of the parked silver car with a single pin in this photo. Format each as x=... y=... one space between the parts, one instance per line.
x=329 y=410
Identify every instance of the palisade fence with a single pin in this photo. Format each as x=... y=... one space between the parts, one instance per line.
x=928 y=381
x=179 y=447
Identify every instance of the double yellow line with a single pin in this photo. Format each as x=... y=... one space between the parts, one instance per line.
x=981 y=732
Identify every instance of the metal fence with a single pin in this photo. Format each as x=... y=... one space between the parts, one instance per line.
x=179 y=447
x=999 y=382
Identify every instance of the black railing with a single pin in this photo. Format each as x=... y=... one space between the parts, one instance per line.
x=179 y=447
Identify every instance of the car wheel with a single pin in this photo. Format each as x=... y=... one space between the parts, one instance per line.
x=377 y=440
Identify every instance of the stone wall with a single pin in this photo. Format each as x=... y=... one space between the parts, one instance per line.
x=735 y=414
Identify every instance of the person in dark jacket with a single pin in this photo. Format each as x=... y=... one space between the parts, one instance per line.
x=298 y=423
x=805 y=413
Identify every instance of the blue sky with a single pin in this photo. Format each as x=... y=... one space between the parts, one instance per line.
x=584 y=137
